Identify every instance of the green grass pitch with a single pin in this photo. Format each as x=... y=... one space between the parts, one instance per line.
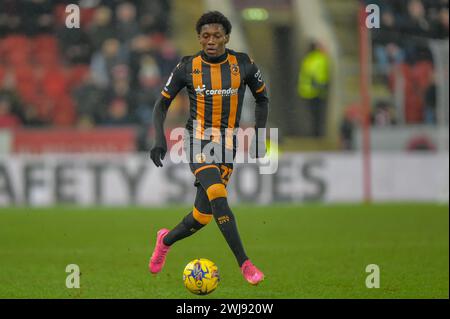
x=306 y=251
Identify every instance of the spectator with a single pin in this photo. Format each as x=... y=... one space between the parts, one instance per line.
x=430 y=103
x=7 y=119
x=101 y=28
x=313 y=85
x=31 y=117
x=441 y=25
x=117 y=113
x=346 y=134
x=75 y=45
x=37 y=16
x=149 y=83
x=10 y=20
x=127 y=60
x=126 y=26
x=155 y=17
x=168 y=57
x=8 y=93
x=140 y=46
x=401 y=46
x=352 y=118
x=90 y=100
x=415 y=22
x=103 y=62
x=383 y=115
x=26 y=112
x=121 y=90
x=387 y=50
x=149 y=73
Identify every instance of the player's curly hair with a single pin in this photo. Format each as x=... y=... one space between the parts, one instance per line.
x=213 y=17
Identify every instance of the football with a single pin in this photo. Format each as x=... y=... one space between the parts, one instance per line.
x=201 y=276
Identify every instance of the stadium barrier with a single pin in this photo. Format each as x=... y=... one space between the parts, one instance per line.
x=119 y=180
x=411 y=137
x=72 y=140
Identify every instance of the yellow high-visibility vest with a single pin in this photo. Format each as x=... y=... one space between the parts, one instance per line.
x=314 y=69
x=272 y=151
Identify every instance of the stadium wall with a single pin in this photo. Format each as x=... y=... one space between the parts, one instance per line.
x=412 y=137
x=121 y=180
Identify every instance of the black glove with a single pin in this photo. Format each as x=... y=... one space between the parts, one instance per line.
x=157 y=154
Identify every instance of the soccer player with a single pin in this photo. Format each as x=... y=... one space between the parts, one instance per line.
x=215 y=79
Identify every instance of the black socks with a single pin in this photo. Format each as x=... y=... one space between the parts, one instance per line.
x=187 y=227
x=224 y=219
x=227 y=225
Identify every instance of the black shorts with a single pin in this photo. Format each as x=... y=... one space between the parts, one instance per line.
x=205 y=154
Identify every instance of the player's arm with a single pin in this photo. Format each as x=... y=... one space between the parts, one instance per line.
x=159 y=149
x=174 y=84
x=258 y=88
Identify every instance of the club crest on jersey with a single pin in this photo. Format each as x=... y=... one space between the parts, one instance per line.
x=234 y=69
x=200 y=158
x=197 y=72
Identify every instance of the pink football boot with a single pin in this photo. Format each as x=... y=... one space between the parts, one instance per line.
x=159 y=254
x=252 y=274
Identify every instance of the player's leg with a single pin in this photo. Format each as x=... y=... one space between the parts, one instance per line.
x=210 y=177
x=200 y=216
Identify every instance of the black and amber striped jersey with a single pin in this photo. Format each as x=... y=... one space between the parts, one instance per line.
x=216 y=89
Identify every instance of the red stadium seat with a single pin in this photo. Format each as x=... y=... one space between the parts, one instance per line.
x=64 y=112
x=2 y=75
x=24 y=73
x=47 y=59
x=413 y=95
x=17 y=59
x=2 y=51
x=422 y=74
x=54 y=82
x=59 y=12
x=87 y=15
x=78 y=74
x=44 y=107
x=27 y=91
x=16 y=43
x=45 y=43
x=28 y=95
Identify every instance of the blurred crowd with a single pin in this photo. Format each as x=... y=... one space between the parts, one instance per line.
x=108 y=72
x=402 y=55
x=404 y=64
